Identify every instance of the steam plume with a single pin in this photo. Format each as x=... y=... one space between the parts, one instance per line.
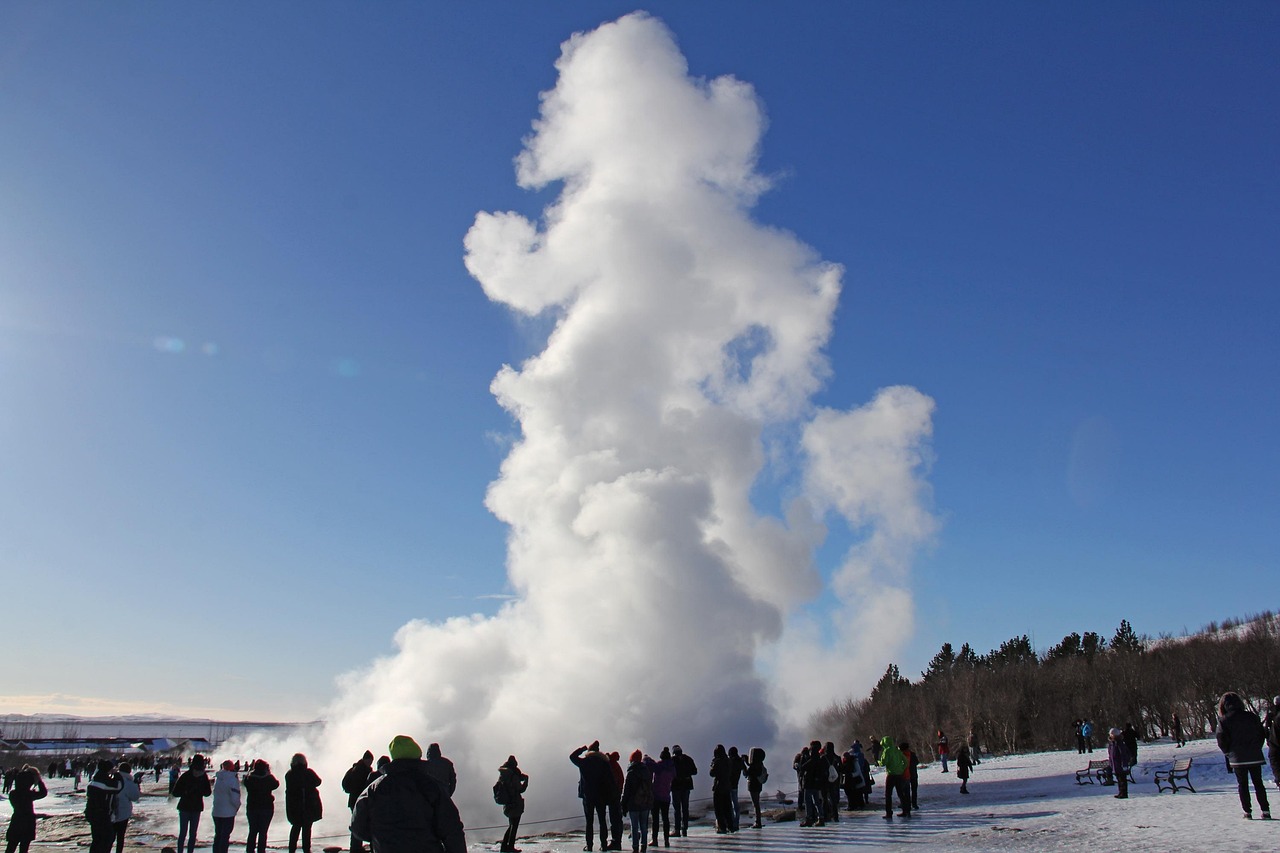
x=655 y=603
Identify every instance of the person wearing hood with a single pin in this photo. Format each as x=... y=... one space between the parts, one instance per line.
x=191 y=789
x=895 y=768
x=851 y=774
x=637 y=800
x=406 y=809
x=509 y=793
x=1131 y=743
x=226 y=805
x=964 y=763
x=100 y=807
x=353 y=783
x=1240 y=737
x=1118 y=755
x=681 y=788
x=721 y=788
x=615 y=805
x=664 y=774
x=129 y=794
x=441 y=768
x=302 y=806
x=757 y=774
x=27 y=788
x=596 y=788
x=260 y=805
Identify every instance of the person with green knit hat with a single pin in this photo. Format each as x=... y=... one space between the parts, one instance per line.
x=403 y=746
x=406 y=810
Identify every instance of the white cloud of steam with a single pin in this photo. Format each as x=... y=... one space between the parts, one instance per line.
x=651 y=596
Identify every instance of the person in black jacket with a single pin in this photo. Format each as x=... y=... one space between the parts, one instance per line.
x=596 y=787
x=100 y=807
x=406 y=810
x=354 y=783
x=681 y=787
x=191 y=788
x=756 y=775
x=512 y=783
x=1130 y=738
x=441 y=768
x=260 y=805
x=302 y=806
x=27 y=787
x=1240 y=737
x=722 y=781
x=817 y=772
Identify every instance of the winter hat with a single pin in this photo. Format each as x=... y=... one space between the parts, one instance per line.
x=367 y=758
x=595 y=746
x=261 y=766
x=228 y=765
x=1117 y=733
x=676 y=750
x=383 y=761
x=511 y=762
x=403 y=746
x=636 y=756
x=666 y=753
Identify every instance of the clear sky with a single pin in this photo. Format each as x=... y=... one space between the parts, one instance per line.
x=246 y=428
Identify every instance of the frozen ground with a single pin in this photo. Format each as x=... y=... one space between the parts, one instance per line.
x=1017 y=802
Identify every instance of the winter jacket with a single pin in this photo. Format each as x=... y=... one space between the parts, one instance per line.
x=302 y=796
x=816 y=771
x=664 y=774
x=755 y=769
x=637 y=789
x=595 y=785
x=257 y=791
x=964 y=761
x=100 y=796
x=686 y=769
x=1118 y=754
x=1131 y=743
x=619 y=778
x=356 y=780
x=736 y=766
x=514 y=783
x=406 y=810
x=441 y=769
x=1240 y=733
x=22 y=825
x=129 y=794
x=944 y=746
x=226 y=794
x=191 y=789
x=891 y=758
x=721 y=771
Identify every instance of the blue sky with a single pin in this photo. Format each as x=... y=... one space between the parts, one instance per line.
x=245 y=424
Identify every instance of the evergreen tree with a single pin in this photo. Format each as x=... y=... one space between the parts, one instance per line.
x=1126 y=641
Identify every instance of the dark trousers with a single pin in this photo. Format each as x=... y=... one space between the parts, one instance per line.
x=259 y=822
x=755 y=804
x=1243 y=775
x=813 y=806
x=680 y=801
x=302 y=830
x=661 y=812
x=592 y=810
x=720 y=802
x=118 y=828
x=896 y=782
x=102 y=833
x=188 y=823
x=915 y=790
x=512 y=813
x=222 y=827
x=615 y=823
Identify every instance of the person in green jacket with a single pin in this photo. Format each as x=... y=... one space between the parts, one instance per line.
x=895 y=766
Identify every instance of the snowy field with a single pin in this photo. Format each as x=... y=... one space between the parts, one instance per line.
x=1023 y=802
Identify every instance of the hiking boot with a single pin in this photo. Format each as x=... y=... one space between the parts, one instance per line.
x=1248 y=815
x=1266 y=815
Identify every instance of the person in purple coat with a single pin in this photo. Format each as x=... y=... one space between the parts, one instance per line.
x=1118 y=754
x=664 y=774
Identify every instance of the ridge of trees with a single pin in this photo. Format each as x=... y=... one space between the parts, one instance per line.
x=1017 y=700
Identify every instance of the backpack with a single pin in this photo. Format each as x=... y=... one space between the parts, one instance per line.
x=501 y=792
x=764 y=774
x=833 y=775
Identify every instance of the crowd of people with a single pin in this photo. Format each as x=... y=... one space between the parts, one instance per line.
x=403 y=801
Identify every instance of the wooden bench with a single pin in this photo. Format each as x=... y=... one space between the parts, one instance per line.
x=1181 y=770
x=1094 y=773
x=1099 y=772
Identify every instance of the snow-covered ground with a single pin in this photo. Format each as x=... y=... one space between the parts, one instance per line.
x=1016 y=802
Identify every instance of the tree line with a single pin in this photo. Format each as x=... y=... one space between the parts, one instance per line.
x=1018 y=700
